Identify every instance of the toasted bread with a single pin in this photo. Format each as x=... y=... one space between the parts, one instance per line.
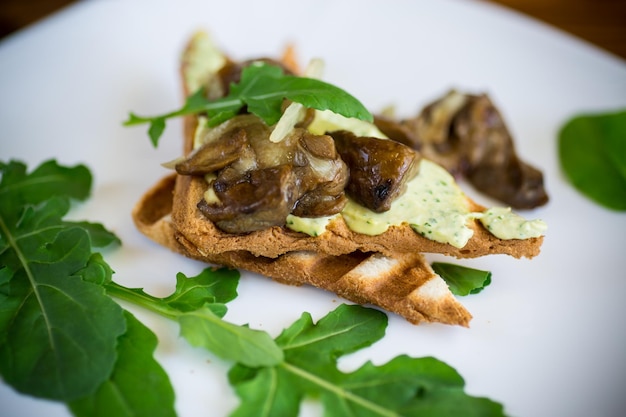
x=404 y=283
x=387 y=270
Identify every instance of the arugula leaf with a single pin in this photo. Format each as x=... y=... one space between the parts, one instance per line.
x=404 y=386
x=96 y=271
x=412 y=387
x=100 y=237
x=197 y=306
x=461 y=279
x=59 y=328
x=51 y=321
x=212 y=285
x=138 y=385
x=262 y=89
x=592 y=153
x=48 y=180
x=202 y=328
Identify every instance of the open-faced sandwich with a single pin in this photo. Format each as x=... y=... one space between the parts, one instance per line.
x=280 y=178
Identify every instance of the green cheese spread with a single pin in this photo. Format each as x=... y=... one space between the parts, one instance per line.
x=435 y=207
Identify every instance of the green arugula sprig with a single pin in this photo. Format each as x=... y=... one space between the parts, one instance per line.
x=51 y=319
x=197 y=305
x=63 y=337
x=262 y=90
x=404 y=386
x=592 y=154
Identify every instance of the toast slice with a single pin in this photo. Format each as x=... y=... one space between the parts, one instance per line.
x=404 y=283
x=386 y=270
x=365 y=270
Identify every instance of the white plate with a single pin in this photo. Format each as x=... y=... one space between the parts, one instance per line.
x=547 y=338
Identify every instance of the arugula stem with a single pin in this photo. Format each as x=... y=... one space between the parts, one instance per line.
x=216 y=105
x=189 y=109
x=375 y=408
x=142 y=299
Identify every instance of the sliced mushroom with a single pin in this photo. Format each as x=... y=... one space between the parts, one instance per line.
x=318 y=203
x=398 y=131
x=259 y=199
x=319 y=146
x=379 y=168
x=215 y=155
x=323 y=194
x=223 y=145
x=323 y=176
x=466 y=134
x=493 y=165
x=302 y=174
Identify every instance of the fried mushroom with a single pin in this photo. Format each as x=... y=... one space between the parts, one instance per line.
x=259 y=199
x=379 y=168
x=467 y=135
x=215 y=155
x=261 y=182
